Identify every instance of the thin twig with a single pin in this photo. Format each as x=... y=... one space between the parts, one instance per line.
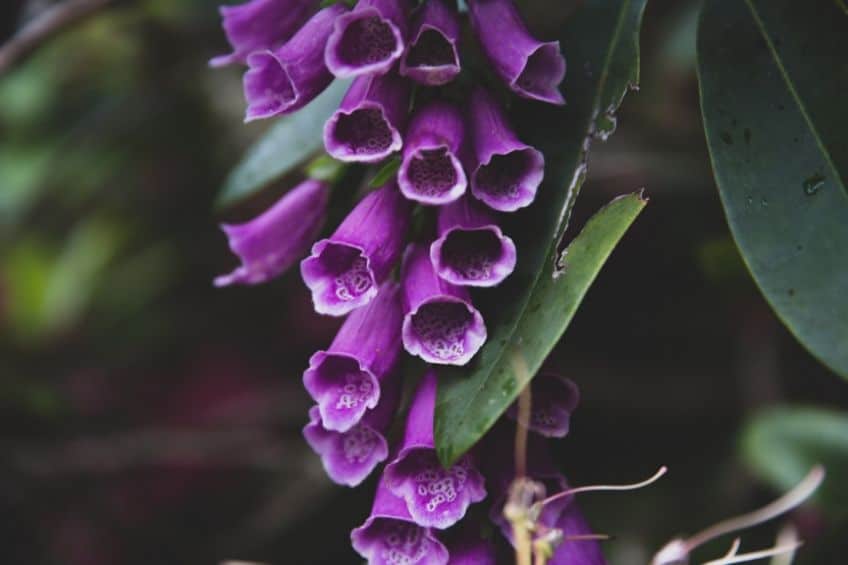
x=43 y=27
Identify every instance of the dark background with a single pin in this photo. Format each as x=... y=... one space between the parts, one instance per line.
x=149 y=418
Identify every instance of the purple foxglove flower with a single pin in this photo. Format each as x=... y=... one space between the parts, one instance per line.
x=554 y=398
x=440 y=324
x=575 y=551
x=260 y=24
x=271 y=242
x=369 y=39
x=467 y=547
x=285 y=80
x=345 y=270
x=432 y=58
x=431 y=172
x=435 y=497
x=471 y=249
x=507 y=172
x=368 y=124
x=530 y=68
x=349 y=457
x=390 y=536
x=347 y=378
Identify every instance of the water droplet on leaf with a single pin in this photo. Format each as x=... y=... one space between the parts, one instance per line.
x=813 y=184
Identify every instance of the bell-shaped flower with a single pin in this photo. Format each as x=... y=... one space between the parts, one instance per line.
x=553 y=399
x=369 y=39
x=260 y=24
x=270 y=243
x=390 y=536
x=431 y=171
x=432 y=56
x=471 y=249
x=282 y=81
x=369 y=124
x=435 y=497
x=507 y=172
x=346 y=269
x=347 y=378
x=440 y=323
x=531 y=68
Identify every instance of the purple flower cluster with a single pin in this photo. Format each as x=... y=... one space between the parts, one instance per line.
x=460 y=159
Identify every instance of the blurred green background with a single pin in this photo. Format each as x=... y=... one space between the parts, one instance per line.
x=149 y=418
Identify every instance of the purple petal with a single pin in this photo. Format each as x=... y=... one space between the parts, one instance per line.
x=285 y=80
x=471 y=249
x=346 y=379
x=508 y=172
x=575 y=551
x=389 y=536
x=368 y=40
x=345 y=270
x=369 y=123
x=554 y=398
x=271 y=242
x=432 y=57
x=435 y=497
x=260 y=24
x=431 y=172
x=531 y=68
x=468 y=547
x=440 y=324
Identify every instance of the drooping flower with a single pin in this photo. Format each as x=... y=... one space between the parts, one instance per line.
x=390 y=536
x=432 y=57
x=553 y=399
x=282 y=81
x=260 y=24
x=435 y=497
x=347 y=378
x=369 y=39
x=440 y=324
x=369 y=123
x=573 y=550
x=270 y=243
x=431 y=171
x=471 y=249
x=530 y=68
x=507 y=172
x=349 y=457
x=345 y=270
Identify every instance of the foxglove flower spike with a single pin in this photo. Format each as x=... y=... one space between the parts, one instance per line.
x=432 y=57
x=270 y=243
x=369 y=39
x=440 y=324
x=345 y=270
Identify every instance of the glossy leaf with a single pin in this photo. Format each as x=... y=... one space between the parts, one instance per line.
x=531 y=310
x=285 y=146
x=781 y=445
x=772 y=77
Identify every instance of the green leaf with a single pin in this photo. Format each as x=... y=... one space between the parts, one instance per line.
x=782 y=444
x=772 y=78
x=285 y=146
x=386 y=172
x=531 y=310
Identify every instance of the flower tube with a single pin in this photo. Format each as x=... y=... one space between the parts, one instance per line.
x=530 y=68
x=260 y=24
x=282 y=81
x=471 y=249
x=368 y=40
x=369 y=123
x=345 y=270
x=431 y=172
x=390 y=536
x=346 y=379
x=553 y=399
x=432 y=57
x=507 y=172
x=271 y=242
x=435 y=497
x=440 y=324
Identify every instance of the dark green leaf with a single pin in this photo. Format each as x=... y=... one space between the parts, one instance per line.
x=386 y=172
x=773 y=74
x=325 y=168
x=531 y=310
x=783 y=444
x=289 y=142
